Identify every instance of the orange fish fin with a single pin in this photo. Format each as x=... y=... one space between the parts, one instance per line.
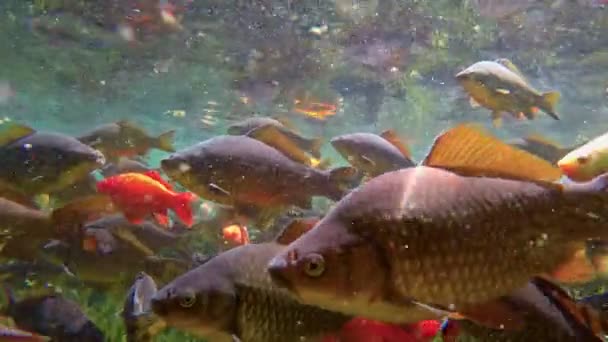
x=468 y=150
x=157 y=177
x=390 y=136
x=496 y=314
x=295 y=229
x=162 y=218
x=182 y=206
x=577 y=269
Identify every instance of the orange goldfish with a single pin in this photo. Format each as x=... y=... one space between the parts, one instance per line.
x=236 y=234
x=138 y=195
x=315 y=110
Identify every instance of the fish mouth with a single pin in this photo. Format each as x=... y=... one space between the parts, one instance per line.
x=276 y=269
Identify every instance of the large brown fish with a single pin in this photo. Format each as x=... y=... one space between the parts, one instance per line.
x=233 y=295
x=550 y=314
x=240 y=170
x=43 y=162
x=371 y=153
x=126 y=139
x=429 y=238
x=249 y=126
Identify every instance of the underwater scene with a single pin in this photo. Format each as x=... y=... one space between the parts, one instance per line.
x=303 y=170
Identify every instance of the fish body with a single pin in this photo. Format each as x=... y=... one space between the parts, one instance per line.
x=370 y=153
x=247 y=126
x=54 y=316
x=43 y=162
x=427 y=235
x=126 y=139
x=240 y=170
x=233 y=295
x=140 y=322
x=139 y=195
x=587 y=161
x=541 y=147
x=496 y=87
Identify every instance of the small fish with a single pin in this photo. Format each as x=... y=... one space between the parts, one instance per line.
x=126 y=139
x=315 y=110
x=247 y=126
x=587 y=161
x=140 y=322
x=409 y=230
x=235 y=170
x=54 y=316
x=231 y=295
x=42 y=162
x=373 y=154
x=138 y=195
x=500 y=89
x=542 y=147
x=235 y=234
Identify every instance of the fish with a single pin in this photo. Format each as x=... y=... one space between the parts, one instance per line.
x=232 y=295
x=542 y=147
x=550 y=315
x=248 y=126
x=9 y=334
x=233 y=170
x=373 y=154
x=124 y=165
x=42 y=162
x=423 y=242
x=365 y=330
x=496 y=87
x=315 y=110
x=140 y=322
x=54 y=316
x=126 y=139
x=235 y=234
x=586 y=161
x=141 y=194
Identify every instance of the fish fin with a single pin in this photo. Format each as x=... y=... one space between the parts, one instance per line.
x=295 y=229
x=473 y=103
x=468 y=150
x=315 y=147
x=503 y=91
x=549 y=102
x=496 y=119
x=89 y=244
x=14 y=132
x=164 y=142
x=157 y=177
x=577 y=269
x=272 y=136
x=182 y=206
x=496 y=314
x=390 y=136
x=162 y=218
x=342 y=179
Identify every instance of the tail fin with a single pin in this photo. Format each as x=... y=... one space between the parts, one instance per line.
x=342 y=180
x=315 y=147
x=550 y=100
x=183 y=207
x=164 y=141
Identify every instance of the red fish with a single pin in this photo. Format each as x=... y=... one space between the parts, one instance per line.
x=236 y=234
x=138 y=195
x=365 y=330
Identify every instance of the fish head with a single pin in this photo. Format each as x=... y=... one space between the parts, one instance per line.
x=584 y=163
x=351 y=149
x=180 y=167
x=331 y=268
x=237 y=128
x=196 y=302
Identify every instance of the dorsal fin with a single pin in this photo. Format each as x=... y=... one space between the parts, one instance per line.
x=467 y=150
x=509 y=65
x=390 y=136
x=295 y=229
x=14 y=132
x=272 y=136
x=157 y=177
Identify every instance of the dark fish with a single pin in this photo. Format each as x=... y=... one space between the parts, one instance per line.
x=43 y=162
x=232 y=295
x=373 y=154
x=126 y=139
x=54 y=316
x=542 y=147
x=240 y=170
x=550 y=314
x=140 y=322
x=247 y=126
x=424 y=238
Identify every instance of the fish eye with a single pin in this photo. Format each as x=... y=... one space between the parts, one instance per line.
x=582 y=160
x=187 y=300
x=314 y=265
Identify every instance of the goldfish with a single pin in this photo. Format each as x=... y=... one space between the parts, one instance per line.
x=232 y=295
x=126 y=139
x=235 y=234
x=140 y=322
x=139 y=195
x=373 y=154
x=365 y=330
x=315 y=110
x=587 y=161
x=42 y=162
x=496 y=87
x=424 y=242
